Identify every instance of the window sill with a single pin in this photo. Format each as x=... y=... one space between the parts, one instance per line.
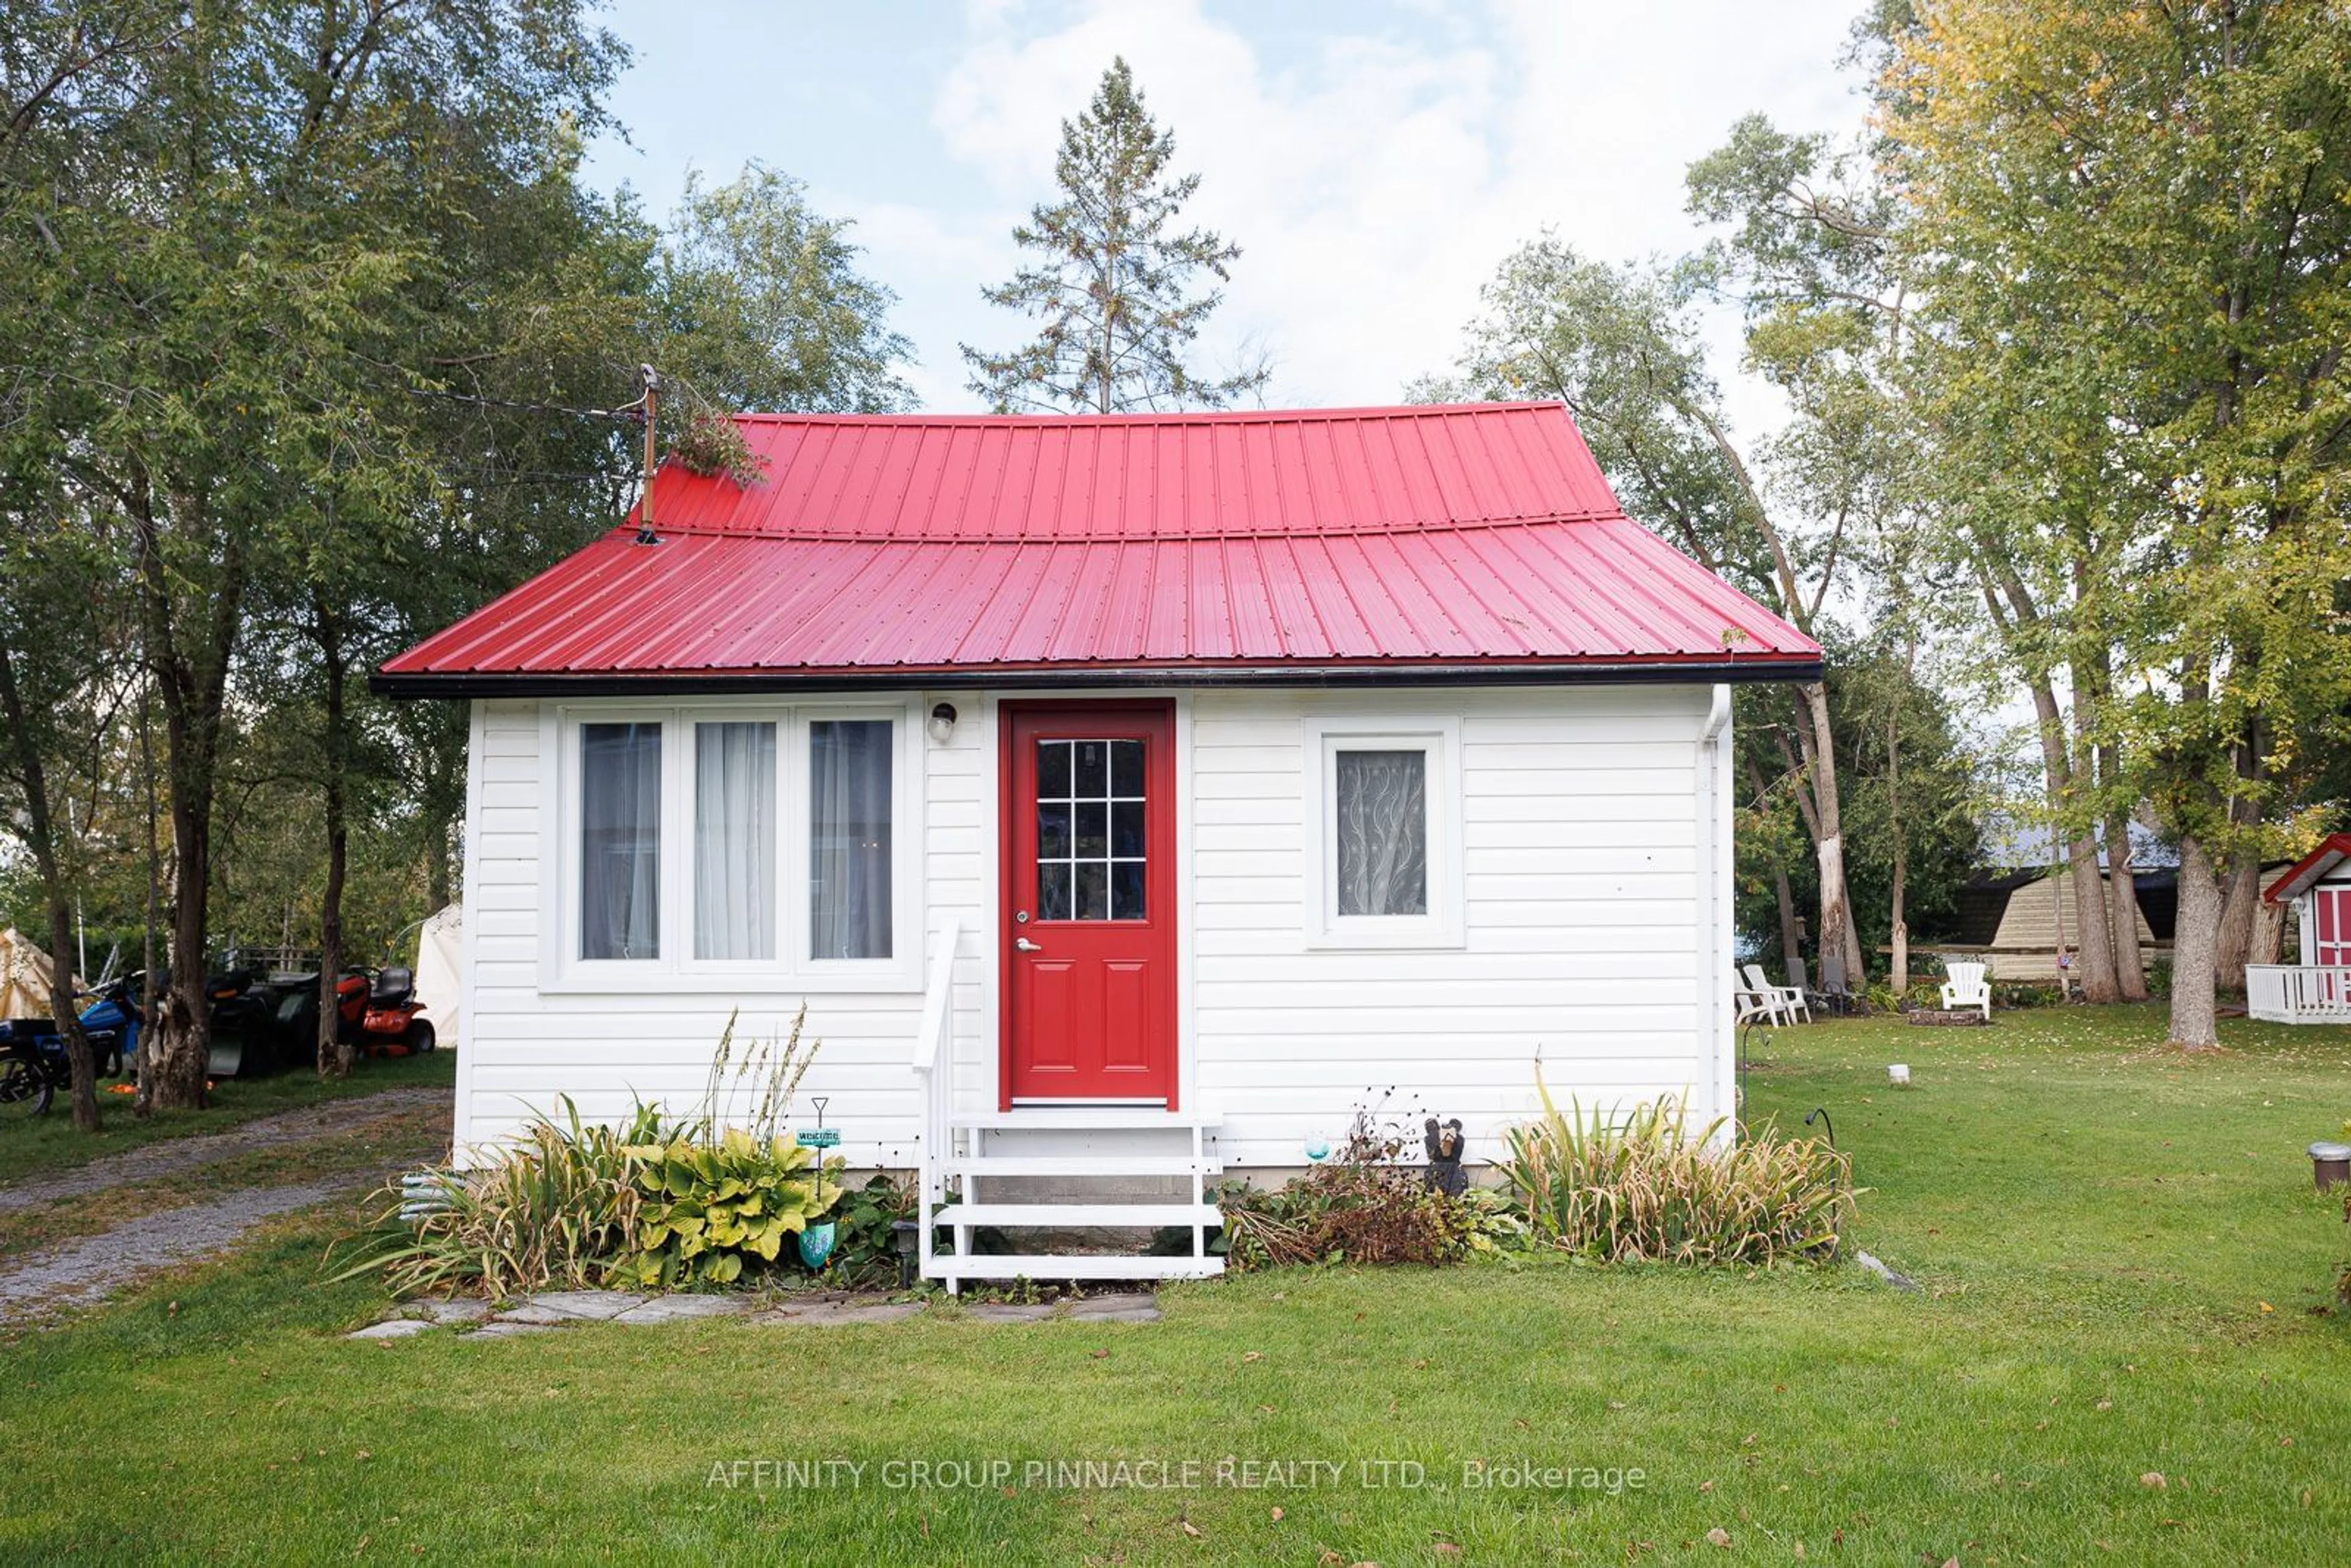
x=1419 y=936
x=896 y=980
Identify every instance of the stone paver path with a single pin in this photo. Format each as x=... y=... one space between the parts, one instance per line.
x=172 y=1156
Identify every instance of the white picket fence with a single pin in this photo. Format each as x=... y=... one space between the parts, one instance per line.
x=2306 y=993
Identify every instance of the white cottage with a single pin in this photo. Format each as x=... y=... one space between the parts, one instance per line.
x=1126 y=797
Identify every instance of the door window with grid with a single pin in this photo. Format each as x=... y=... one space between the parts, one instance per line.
x=1090 y=832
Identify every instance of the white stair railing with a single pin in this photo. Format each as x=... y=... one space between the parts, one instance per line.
x=935 y=1085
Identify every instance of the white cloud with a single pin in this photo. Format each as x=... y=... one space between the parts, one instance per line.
x=1374 y=178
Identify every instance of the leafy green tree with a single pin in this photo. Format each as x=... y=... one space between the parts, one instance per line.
x=2139 y=258
x=1620 y=347
x=1112 y=285
x=236 y=258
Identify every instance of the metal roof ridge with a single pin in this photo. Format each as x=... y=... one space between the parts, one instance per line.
x=1354 y=414
x=1154 y=535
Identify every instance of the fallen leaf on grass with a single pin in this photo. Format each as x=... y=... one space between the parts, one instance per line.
x=1276 y=1516
x=1252 y=1355
x=1718 y=1536
x=2154 y=1480
x=1101 y=1355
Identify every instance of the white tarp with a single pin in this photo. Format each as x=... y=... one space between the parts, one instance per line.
x=441 y=972
x=24 y=978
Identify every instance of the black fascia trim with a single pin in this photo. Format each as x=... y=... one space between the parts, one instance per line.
x=1096 y=677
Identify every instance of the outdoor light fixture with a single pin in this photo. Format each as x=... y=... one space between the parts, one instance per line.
x=902 y=1235
x=943 y=719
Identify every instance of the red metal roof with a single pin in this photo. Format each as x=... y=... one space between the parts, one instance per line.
x=904 y=547
x=2332 y=850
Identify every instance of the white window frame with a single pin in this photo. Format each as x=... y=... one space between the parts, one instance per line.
x=903 y=967
x=1438 y=738
x=678 y=970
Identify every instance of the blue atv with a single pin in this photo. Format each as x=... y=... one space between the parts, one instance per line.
x=35 y=1066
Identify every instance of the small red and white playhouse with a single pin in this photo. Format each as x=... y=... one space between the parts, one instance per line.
x=2317 y=989
x=1125 y=798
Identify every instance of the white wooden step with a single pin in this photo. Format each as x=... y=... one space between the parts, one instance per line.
x=1054 y=1216
x=1090 y=1266
x=1083 y=1164
x=1089 y=1118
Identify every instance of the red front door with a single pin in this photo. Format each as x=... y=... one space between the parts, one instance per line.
x=1089 y=903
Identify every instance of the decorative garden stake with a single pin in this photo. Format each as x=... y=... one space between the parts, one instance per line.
x=817 y=1241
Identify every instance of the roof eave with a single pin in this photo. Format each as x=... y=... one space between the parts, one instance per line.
x=1088 y=677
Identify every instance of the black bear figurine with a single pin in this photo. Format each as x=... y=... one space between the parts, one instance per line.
x=1445 y=1173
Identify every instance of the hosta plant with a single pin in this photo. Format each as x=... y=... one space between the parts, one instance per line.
x=709 y=1206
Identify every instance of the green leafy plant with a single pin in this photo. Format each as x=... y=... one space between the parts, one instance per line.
x=655 y=1202
x=561 y=1209
x=1643 y=1189
x=866 y=1247
x=709 y=1205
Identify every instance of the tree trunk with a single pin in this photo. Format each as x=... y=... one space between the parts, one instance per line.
x=1791 y=946
x=1899 y=934
x=2241 y=891
x=41 y=836
x=334 y=1056
x=1838 y=938
x=144 y=1100
x=2122 y=901
x=2195 y=938
x=2095 y=972
x=194 y=694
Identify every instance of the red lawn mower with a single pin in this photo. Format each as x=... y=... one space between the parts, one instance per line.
x=378 y=1013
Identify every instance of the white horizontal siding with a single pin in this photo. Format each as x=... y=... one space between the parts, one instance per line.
x=607 y=1052
x=1580 y=946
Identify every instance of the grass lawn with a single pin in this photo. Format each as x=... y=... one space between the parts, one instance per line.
x=2124 y=1269
x=32 y=1144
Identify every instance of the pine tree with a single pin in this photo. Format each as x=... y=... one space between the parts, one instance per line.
x=1112 y=282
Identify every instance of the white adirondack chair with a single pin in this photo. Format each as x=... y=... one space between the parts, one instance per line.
x=1966 y=987
x=1749 y=1005
x=1791 y=999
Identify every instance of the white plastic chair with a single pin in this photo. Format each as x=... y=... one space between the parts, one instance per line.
x=1966 y=987
x=1749 y=1005
x=1789 y=999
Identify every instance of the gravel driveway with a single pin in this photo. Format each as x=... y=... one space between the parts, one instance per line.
x=173 y=1156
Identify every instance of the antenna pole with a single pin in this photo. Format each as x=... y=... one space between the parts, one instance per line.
x=645 y=535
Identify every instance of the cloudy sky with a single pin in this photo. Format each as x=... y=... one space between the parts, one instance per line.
x=1374 y=159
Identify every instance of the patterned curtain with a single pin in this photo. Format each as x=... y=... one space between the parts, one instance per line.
x=1382 y=848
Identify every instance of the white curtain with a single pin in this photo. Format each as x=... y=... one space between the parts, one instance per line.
x=735 y=841
x=849 y=838
x=1382 y=837
x=620 y=841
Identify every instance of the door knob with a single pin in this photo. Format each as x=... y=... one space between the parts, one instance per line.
x=1022 y=944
